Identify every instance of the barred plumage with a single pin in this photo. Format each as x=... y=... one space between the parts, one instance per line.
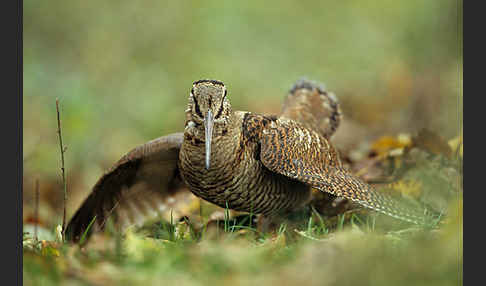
x=315 y=108
x=248 y=162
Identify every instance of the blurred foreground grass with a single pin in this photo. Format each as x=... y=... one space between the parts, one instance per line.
x=354 y=254
x=201 y=244
x=123 y=70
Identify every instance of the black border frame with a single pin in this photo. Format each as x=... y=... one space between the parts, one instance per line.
x=11 y=125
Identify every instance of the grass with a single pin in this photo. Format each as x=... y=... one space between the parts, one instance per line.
x=356 y=252
x=355 y=247
x=85 y=233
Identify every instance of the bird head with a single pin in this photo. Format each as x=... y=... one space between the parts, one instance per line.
x=208 y=107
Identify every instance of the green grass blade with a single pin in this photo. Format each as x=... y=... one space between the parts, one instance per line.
x=85 y=233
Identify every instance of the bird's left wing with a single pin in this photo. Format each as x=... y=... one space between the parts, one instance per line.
x=290 y=149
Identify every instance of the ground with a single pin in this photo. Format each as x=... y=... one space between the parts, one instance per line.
x=200 y=244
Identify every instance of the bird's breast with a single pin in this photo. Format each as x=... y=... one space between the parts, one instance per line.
x=236 y=177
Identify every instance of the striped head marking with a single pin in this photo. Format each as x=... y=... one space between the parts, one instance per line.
x=208 y=105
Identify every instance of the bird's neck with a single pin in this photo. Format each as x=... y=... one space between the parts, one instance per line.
x=225 y=142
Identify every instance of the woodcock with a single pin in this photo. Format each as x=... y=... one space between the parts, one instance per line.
x=264 y=164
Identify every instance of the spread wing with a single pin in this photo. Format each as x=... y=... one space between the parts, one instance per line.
x=290 y=149
x=136 y=187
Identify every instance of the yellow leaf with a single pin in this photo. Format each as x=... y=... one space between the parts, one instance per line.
x=456 y=143
x=408 y=187
x=385 y=144
x=50 y=251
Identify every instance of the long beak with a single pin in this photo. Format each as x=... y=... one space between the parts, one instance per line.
x=208 y=132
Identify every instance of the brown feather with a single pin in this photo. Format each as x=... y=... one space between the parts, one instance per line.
x=311 y=159
x=314 y=107
x=135 y=188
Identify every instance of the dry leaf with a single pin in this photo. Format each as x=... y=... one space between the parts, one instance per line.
x=411 y=188
x=432 y=142
x=389 y=145
x=456 y=143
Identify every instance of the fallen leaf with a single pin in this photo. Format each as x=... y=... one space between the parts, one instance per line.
x=49 y=251
x=411 y=188
x=455 y=144
x=389 y=145
x=432 y=142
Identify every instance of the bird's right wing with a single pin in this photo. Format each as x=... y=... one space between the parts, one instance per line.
x=290 y=149
x=312 y=106
x=135 y=188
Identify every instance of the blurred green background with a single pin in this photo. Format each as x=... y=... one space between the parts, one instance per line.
x=122 y=71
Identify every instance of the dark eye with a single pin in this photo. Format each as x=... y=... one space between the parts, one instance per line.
x=220 y=111
x=198 y=111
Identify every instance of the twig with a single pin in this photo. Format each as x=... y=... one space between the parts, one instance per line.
x=36 y=209
x=62 y=169
x=302 y=233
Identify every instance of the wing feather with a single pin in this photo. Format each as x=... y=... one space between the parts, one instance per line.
x=288 y=148
x=135 y=188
